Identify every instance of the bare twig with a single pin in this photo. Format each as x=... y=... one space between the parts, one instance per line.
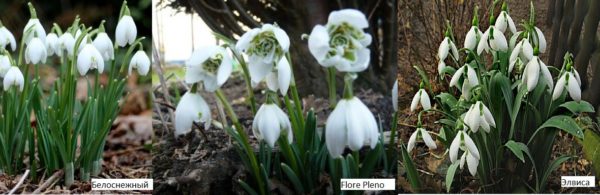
x=57 y=175
x=159 y=72
x=20 y=182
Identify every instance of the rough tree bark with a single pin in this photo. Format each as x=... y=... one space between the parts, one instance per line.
x=588 y=42
x=231 y=18
x=560 y=49
x=556 y=18
x=580 y=12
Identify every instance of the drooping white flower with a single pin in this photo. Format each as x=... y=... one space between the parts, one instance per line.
x=104 y=46
x=13 y=77
x=479 y=116
x=341 y=42
x=522 y=50
x=37 y=30
x=447 y=47
x=6 y=38
x=420 y=97
x=280 y=78
x=264 y=46
x=52 y=45
x=270 y=123
x=191 y=108
x=89 y=58
x=492 y=39
x=5 y=64
x=470 y=80
x=350 y=124
x=35 y=51
x=504 y=20
x=211 y=65
x=441 y=66
x=395 y=95
x=541 y=38
x=140 y=62
x=532 y=72
x=471 y=38
x=66 y=43
x=464 y=142
x=420 y=132
x=126 y=31
x=568 y=80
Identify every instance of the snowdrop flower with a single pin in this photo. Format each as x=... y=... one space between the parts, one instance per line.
x=264 y=47
x=211 y=65
x=37 y=30
x=13 y=77
x=141 y=62
x=492 y=39
x=350 y=124
x=464 y=142
x=479 y=116
x=532 y=72
x=470 y=80
x=66 y=42
x=280 y=78
x=126 y=30
x=271 y=122
x=540 y=41
x=191 y=108
x=522 y=50
x=420 y=132
x=445 y=48
x=104 y=46
x=441 y=66
x=6 y=38
x=342 y=43
x=395 y=95
x=420 y=97
x=52 y=45
x=471 y=38
x=571 y=82
x=504 y=21
x=4 y=65
x=89 y=58
x=36 y=51
x=472 y=162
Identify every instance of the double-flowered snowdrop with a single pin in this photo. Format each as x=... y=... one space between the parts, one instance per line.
x=463 y=142
x=470 y=80
x=36 y=51
x=270 y=123
x=479 y=116
x=532 y=72
x=571 y=81
x=421 y=97
x=523 y=52
x=13 y=77
x=126 y=30
x=422 y=133
x=350 y=124
x=191 y=108
x=52 y=44
x=492 y=39
x=342 y=43
x=89 y=58
x=7 y=38
x=140 y=62
x=66 y=42
x=265 y=47
x=211 y=65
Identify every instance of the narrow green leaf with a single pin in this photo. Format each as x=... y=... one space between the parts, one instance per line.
x=578 y=107
x=247 y=187
x=517 y=148
x=293 y=178
x=411 y=170
x=368 y=164
x=553 y=166
x=565 y=123
x=450 y=175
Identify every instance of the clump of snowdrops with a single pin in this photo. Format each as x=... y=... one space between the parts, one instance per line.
x=305 y=150
x=69 y=134
x=502 y=109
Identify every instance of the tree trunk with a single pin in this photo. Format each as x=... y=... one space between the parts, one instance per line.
x=588 y=42
x=561 y=41
x=556 y=18
x=575 y=34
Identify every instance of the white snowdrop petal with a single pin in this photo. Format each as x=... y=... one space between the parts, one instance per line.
x=472 y=76
x=13 y=77
x=456 y=76
x=395 y=95
x=573 y=88
x=415 y=101
x=126 y=31
x=462 y=160
x=284 y=75
x=542 y=40
x=318 y=43
x=350 y=16
x=412 y=141
x=471 y=38
x=425 y=102
x=532 y=69
x=191 y=106
x=282 y=39
x=483 y=45
x=244 y=42
x=560 y=85
x=472 y=163
x=427 y=139
x=335 y=130
x=259 y=70
x=499 y=42
x=471 y=146
x=272 y=81
x=454 y=146
x=443 y=49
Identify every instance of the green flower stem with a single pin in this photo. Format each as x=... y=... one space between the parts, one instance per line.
x=245 y=144
x=331 y=82
x=69 y=174
x=295 y=96
x=348 y=88
x=32 y=11
x=247 y=79
x=22 y=45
